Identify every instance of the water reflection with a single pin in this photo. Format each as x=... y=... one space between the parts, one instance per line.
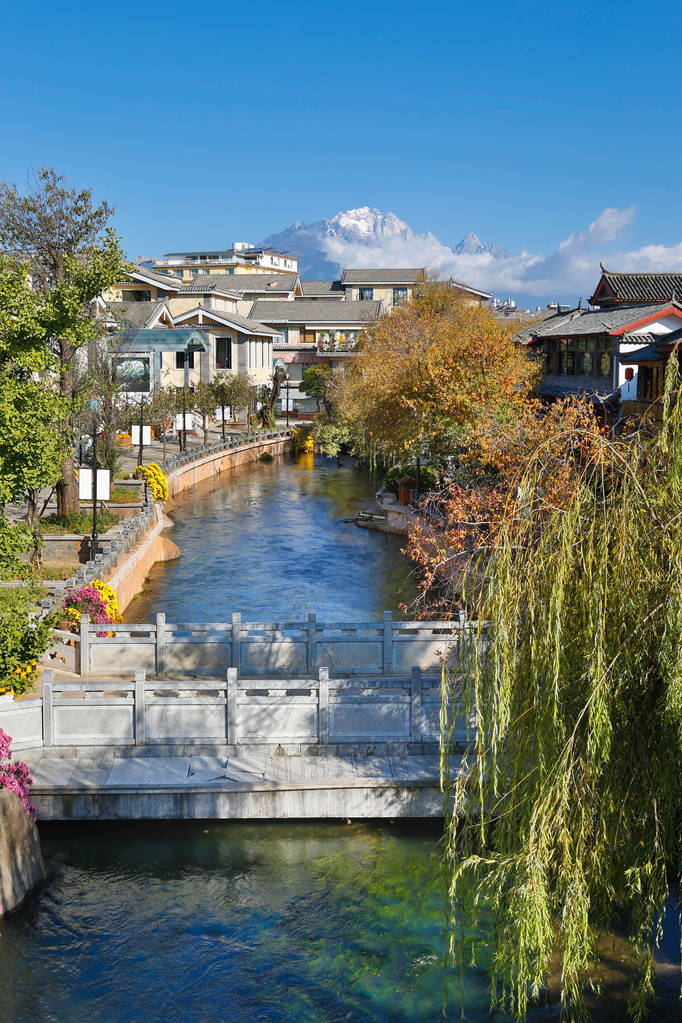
x=271 y=541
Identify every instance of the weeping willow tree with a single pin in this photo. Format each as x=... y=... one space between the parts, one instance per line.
x=564 y=814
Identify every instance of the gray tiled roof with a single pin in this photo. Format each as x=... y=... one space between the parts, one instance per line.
x=322 y=288
x=584 y=387
x=580 y=322
x=400 y=275
x=656 y=348
x=243 y=283
x=135 y=314
x=172 y=283
x=316 y=311
x=243 y=323
x=639 y=287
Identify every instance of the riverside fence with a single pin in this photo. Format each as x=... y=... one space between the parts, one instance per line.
x=322 y=712
x=264 y=649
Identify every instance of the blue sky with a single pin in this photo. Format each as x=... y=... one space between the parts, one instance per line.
x=213 y=122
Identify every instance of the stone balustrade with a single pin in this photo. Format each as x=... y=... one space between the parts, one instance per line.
x=323 y=711
x=268 y=649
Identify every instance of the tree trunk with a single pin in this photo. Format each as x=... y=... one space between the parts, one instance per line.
x=67 y=489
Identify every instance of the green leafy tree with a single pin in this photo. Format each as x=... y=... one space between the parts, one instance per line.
x=315 y=384
x=203 y=402
x=14 y=541
x=73 y=257
x=32 y=440
x=566 y=809
x=165 y=404
x=233 y=391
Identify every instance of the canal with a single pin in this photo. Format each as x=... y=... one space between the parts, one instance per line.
x=242 y=922
x=273 y=541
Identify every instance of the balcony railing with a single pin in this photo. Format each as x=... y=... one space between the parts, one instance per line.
x=342 y=343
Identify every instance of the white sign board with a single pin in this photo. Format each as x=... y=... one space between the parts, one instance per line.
x=189 y=421
x=85 y=485
x=146 y=435
x=218 y=417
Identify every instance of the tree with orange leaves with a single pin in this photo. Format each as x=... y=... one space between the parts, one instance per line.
x=459 y=523
x=430 y=372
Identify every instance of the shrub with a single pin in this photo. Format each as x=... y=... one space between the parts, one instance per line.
x=266 y=457
x=303 y=439
x=123 y=440
x=97 y=600
x=24 y=638
x=155 y=477
x=428 y=477
x=78 y=522
x=15 y=775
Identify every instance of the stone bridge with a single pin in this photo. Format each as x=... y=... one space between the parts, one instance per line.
x=342 y=747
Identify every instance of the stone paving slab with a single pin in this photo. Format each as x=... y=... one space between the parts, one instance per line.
x=152 y=771
x=202 y=769
x=52 y=772
x=90 y=776
x=233 y=772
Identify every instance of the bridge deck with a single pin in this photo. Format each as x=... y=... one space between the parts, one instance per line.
x=234 y=787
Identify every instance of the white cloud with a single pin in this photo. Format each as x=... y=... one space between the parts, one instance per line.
x=571 y=270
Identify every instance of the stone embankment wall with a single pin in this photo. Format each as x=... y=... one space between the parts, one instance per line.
x=128 y=578
x=217 y=462
x=21 y=863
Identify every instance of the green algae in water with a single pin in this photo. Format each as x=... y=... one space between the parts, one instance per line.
x=228 y=921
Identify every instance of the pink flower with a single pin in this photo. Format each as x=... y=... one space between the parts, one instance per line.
x=15 y=775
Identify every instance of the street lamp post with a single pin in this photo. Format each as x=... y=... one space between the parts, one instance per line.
x=185 y=383
x=287 y=390
x=94 y=540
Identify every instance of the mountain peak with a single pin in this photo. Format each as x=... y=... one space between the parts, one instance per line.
x=367 y=222
x=364 y=236
x=471 y=245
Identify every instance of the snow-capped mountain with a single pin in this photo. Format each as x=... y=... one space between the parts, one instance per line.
x=368 y=237
x=471 y=245
x=321 y=246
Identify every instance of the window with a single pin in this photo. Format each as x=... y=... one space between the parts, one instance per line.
x=223 y=353
x=399 y=296
x=180 y=360
x=140 y=296
x=588 y=362
x=366 y=294
x=568 y=363
x=605 y=365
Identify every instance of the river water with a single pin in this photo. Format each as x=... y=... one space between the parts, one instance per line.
x=242 y=922
x=271 y=541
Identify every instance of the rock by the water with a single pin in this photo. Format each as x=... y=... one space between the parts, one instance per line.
x=21 y=862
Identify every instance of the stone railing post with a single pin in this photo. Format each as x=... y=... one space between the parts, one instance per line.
x=140 y=728
x=323 y=707
x=231 y=722
x=85 y=646
x=48 y=730
x=416 y=705
x=161 y=644
x=311 y=657
x=388 y=642
x=236 y=640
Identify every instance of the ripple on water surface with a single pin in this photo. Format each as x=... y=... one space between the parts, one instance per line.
x=231 y=922
x=271 y=541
